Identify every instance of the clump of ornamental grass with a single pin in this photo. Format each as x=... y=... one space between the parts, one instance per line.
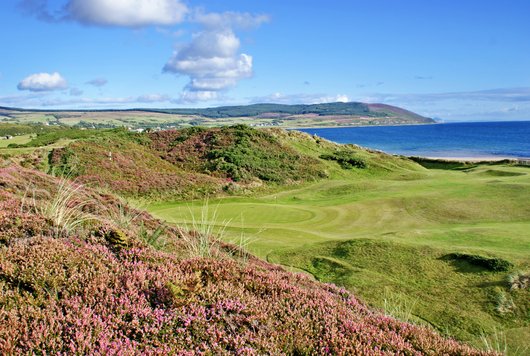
x=205 y=232
x=503 y=303
x=64 y=207
x=398 y=306
x=495 y=342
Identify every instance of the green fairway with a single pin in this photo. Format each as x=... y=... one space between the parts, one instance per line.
x=385 y=237
x=20 y=140
x=444 y=209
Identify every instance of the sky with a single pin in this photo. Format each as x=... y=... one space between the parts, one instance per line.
x=464 y=60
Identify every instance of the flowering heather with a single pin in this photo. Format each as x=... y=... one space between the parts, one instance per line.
x=237 y=152
x=128 y=168
x=80 y=293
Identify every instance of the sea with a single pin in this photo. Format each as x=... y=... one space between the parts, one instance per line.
x=488 y=140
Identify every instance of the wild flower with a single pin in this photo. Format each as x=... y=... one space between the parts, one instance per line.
x=76 y=294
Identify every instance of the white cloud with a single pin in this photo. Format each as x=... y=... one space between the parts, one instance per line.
x=212 y=62
x=98 y=82
x=43 y=82
x=187 y=97
x=279 y=98
x=341 y=98
x=521 y=94
x=127 y=13
x=229 y=19
x=152 y=98
x=46 y=99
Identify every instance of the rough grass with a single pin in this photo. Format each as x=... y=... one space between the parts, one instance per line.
x=240 y=153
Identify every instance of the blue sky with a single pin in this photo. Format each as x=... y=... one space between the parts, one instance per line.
x=457 y=60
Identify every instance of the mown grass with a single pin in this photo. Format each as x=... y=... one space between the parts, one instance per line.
x=19 y=140
x=378 y=232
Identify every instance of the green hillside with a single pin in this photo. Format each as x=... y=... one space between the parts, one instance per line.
x=444 y=247
x=315 y=115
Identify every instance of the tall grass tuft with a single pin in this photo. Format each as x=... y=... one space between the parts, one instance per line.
x=65 y=209
x=495 y=342
x=205 y=232
x=398 y=306
x=519 y=280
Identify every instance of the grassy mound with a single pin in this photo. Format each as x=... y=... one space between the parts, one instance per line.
x=239 y=152
x=124 y=164
x=82 y=273
x=186 y=164
x=411 y=282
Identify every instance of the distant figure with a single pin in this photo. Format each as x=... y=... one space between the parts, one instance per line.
x=110 y=156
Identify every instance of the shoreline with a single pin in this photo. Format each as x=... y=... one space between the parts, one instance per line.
x=350 y=126
x=473 y=159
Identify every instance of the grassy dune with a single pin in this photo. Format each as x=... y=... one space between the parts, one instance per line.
x=384 y=235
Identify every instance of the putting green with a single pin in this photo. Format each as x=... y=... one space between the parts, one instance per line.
x=443 y=208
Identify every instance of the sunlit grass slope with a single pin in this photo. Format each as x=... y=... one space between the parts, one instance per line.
x=386 y=233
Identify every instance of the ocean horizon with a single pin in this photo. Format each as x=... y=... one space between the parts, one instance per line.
x=487 y=140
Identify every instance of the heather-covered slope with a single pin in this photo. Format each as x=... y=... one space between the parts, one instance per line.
x=239 y=152
x=124 y=164
x=196 y=162
x=82 y=273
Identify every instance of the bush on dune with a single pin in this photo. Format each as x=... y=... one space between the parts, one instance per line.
x=238 y=152
x=83 y=293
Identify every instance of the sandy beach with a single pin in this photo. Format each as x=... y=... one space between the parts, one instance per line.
x=477 y=159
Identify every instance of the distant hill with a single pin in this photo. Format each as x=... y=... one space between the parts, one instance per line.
x=314 y=115
x=352 y=108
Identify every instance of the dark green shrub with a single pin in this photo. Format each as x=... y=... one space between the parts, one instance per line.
x=345 y=159
x=489 y=263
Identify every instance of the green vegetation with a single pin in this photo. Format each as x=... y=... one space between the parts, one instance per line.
x=386 y=233
x=49 y=137
x=260 y=109
x=490 y=264
x=16 y=140
x=19 y=130
x=440 y=244
x=345 y=159
x=240 y=153
x=330 y=114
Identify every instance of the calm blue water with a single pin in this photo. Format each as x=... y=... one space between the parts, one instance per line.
x=470 y=139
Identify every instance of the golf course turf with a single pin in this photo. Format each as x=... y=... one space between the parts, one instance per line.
x=389 y=238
